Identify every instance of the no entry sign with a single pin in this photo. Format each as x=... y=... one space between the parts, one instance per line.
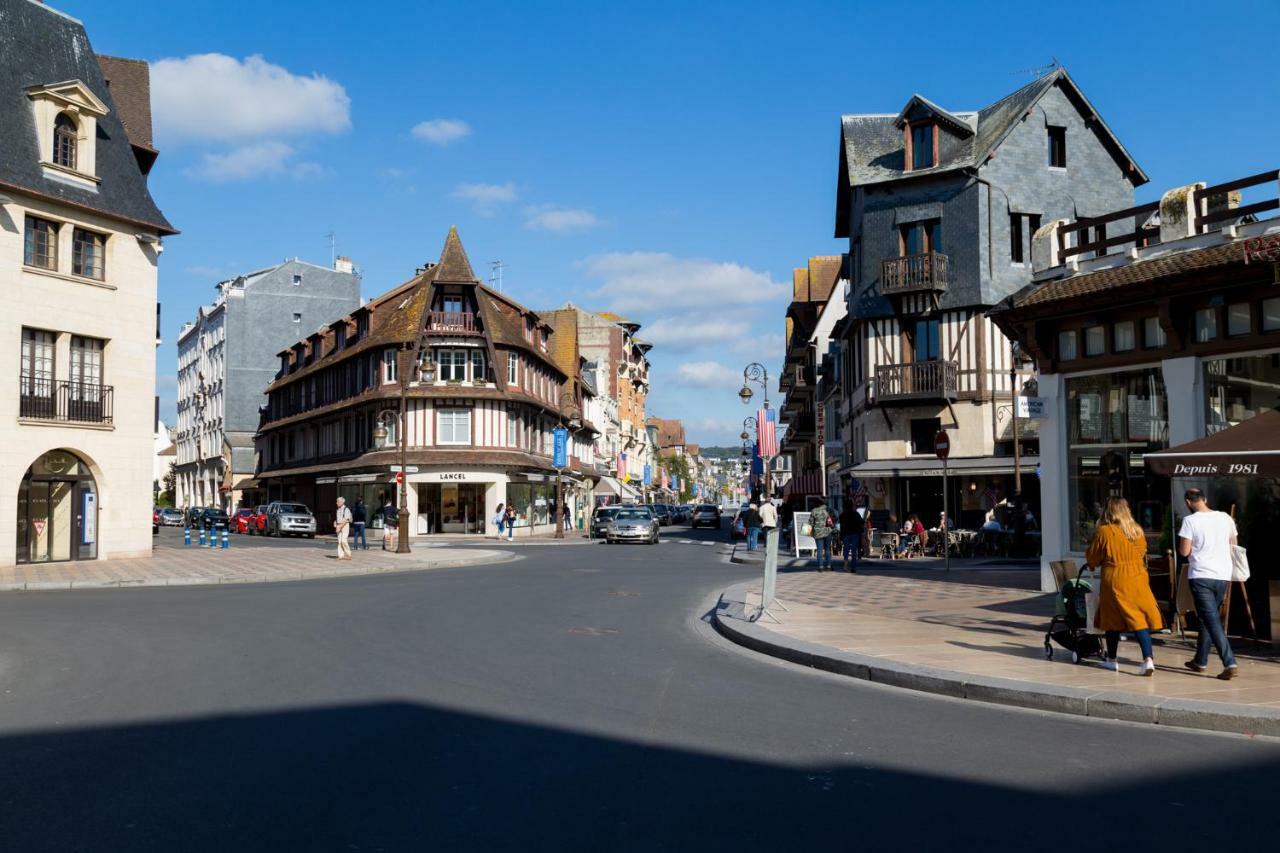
x=941 y=445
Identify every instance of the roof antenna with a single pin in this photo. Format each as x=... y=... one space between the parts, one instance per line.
x=1040 y=70
x=333 y=248
x=495 y=277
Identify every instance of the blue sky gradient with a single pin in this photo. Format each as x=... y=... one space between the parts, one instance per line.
x=671 y=161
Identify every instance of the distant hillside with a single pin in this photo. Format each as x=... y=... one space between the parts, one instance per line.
x=720 y=452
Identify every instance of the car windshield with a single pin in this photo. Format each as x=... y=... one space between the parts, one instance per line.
x=706 y=508
x=632 y=515
x=605 y=512
x=299 y=508
x=245 y=512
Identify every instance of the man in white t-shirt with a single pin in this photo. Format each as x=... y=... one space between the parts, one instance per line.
x=1206 y=537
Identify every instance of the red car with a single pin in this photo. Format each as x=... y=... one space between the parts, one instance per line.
x=249 y=521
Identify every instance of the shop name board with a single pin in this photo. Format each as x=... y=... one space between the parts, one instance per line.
x=1032 y=407
x=453 y=476
x=1243 y=469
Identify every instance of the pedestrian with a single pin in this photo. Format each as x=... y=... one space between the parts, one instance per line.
x=565 y=517
x=768 y=520
x=912 y=529
x=1125 y=602
x=499 y=518
x=342 y=524
x=820 y=522
x=851 y=535
x=389 y=524
x=359 y=520
x=511 y=522
x=752 y=522
x=1206 y=537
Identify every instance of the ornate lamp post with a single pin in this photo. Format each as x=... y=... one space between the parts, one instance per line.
x=404 y=364
x=755 y=372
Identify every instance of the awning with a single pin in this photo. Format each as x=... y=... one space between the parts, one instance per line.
x=611 y=486
x=1249 y=449
x=803 y=484
x=976 y=465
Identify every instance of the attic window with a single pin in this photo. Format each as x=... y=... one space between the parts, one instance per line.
x=1057 y=147
x=65 y=141
x=922 y=145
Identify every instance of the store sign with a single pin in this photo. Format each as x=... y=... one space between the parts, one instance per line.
x=89 y=516
x=1033 y=407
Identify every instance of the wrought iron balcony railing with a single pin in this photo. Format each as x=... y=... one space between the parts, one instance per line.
x=61 y=400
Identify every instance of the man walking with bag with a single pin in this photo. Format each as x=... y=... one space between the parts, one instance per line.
x=820 y=522
x=1206 y=537
x=342 y=524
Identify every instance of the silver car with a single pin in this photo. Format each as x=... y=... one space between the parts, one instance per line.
x=290 y=519
x=633 y=524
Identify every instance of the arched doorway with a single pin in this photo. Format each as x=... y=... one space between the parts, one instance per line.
x=57 y=510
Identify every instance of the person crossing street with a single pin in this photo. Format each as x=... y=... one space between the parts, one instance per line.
x=342 y=524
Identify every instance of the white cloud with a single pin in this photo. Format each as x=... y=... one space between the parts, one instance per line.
x=212 y=96
x=707 y=374
x=486 y=198
x=441 y=131
x=637 y=281
x=559 y=220
x=260 y=159
x=689 y=331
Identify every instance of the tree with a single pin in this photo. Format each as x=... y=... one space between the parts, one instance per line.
x=170 y=485
x=679 y=467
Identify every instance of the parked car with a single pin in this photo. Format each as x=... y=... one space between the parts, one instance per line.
x=680 y=514
x=290 y=519
x=633 y=524
x=601 y=519
x=662 y=513
x=170 y=517
x=245 y=521
x=213 y=519
x=705 y=515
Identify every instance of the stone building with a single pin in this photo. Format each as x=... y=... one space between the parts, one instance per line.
x=80 y=244
x=939 y=208
x=228 y=356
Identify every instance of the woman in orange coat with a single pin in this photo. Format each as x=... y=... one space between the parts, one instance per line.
x=1125 y=602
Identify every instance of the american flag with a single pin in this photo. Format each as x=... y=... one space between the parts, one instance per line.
x=767 y=429
x=622 y=465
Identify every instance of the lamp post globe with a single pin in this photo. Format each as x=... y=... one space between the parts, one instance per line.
x=745 y=395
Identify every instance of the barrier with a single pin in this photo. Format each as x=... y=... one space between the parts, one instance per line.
x=186 y=537
x=226 y=540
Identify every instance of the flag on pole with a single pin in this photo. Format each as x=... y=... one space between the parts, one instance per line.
x=767 y=430
x=622 y=466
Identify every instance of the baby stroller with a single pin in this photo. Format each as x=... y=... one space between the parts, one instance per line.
x=1069 y=628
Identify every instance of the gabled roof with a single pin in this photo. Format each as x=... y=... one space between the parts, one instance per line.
x=872 y=149
x=454 y=267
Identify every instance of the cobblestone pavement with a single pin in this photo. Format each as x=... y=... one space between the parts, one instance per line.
x=988 y=623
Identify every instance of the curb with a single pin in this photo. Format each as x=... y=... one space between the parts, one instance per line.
x=1084 y=702
x=282 y=577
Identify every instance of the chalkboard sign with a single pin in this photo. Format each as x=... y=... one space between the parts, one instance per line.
x=803 y=542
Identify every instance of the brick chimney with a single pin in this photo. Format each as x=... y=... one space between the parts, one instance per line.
x=344 y=264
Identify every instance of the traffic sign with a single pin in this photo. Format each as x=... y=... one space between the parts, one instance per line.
x=412 y=469
x=399 y=478
x=941 y=444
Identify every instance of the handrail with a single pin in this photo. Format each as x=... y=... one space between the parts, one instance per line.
x=1137 y=235
x=45 y=399
x=912 y=273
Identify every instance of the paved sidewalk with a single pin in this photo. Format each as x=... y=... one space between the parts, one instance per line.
x=190 y=566
x=980 y=634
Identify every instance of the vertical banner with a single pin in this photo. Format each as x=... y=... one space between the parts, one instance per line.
x=648 y=476
x=561 y=457
x=89 y=516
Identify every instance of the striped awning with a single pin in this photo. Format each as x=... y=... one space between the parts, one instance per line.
x=803 y=484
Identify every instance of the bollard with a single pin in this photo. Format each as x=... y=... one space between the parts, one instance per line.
x=213 y=537
x=186 y=536
x=201 y=537
x=226 y=540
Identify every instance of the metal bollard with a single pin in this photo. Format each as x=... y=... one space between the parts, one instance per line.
x=201 y=537
x=186 y=536
x=226 y=540
x=213 y=537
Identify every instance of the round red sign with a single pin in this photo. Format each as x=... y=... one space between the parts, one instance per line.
x=941 y=445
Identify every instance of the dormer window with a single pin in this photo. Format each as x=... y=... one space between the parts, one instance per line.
x=66 y=139
x=922 y=145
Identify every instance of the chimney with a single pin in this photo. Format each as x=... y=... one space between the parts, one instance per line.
x=344 y=264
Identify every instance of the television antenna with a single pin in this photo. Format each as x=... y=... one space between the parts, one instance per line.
x=333 y=247
x=495 y=276
x=1039 y=70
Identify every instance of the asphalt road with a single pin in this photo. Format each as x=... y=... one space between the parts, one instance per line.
x=571 y=700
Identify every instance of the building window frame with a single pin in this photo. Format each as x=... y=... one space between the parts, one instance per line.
x=921 y=141
x=88 y=254
x=1068 y=345
x=1056 y=142
x=40 y=243
x=66 y=141
x=450 y=423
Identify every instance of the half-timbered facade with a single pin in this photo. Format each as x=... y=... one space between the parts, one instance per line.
x=940 y=209
x=481 y=399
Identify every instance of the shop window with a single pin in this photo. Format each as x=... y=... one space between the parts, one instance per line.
x=1152 y=333
x=1206 y=325
x=923 y=432
x=1238 y=319
x=1239 y=388
x=1095 y=340
x=453 y=426
x=1125 y=336
x=1271 y=314
x=1067 y=346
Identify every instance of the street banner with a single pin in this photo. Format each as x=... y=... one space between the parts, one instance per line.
x=648 y=476
x=561 y=457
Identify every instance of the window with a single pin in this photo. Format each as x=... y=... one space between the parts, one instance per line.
x=453 y=304
x=390 y=371
x=37 y=362
x=340 y=336
x=1066 y=346
x=86 y=360
x=88 y=255
x=923 y=432
x=925 y=340
x=1271 y=314
x=922 y=142
x=297 y=280
x=1057 y=147
x=917 y=238
x=1019 y=241
x=41 y=245
x=453 y=426
x=65 y=141
x=1206 y=325
x=453 y=365
x=1238 y=319
x=1125 y=336
x=512 y=377
x=297 y=316
x=478 y=373
x=513 y=429
x=1152 y=333
x=1095 y=340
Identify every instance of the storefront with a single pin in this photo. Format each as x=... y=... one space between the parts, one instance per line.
x=57 y=510
x=896 y=489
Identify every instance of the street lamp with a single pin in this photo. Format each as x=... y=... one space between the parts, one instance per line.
x=427 y=370
x=755 y=372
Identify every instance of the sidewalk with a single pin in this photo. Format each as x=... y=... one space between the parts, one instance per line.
x=979 y=634
x=191 y=566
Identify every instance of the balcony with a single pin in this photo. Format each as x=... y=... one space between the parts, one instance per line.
x=925 y=273
x=923 y=380
x=452 y=322
x=70 y=402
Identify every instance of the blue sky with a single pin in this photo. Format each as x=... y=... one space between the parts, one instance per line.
x=670 y=161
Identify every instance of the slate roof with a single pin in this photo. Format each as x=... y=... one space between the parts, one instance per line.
x=872 y=149
x=40 y=46
x=129 y=81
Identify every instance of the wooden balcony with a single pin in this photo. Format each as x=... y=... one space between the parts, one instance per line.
x=452 y=323
x=925 y=273
x=922 y=380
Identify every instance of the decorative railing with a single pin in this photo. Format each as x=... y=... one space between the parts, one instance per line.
x=452 y=322
x=913 y=274
x=73 y=402
x=921 y=379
